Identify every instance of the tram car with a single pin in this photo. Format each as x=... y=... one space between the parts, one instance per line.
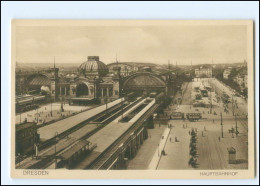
x=193 y=116
x=177 y=115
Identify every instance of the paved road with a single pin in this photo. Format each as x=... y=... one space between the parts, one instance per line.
x=221 y=87
x=213 y=153
x=148 y=149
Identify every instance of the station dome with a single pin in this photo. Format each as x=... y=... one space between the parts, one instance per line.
x=93 y=67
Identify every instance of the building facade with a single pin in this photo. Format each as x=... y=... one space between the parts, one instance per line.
x=96 y=82
x=203 y=72
x=26 y=137
x=226 y=73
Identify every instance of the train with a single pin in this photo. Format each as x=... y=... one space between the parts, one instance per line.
x=28 y=102
x=20 y=100
x=177 y=115
x=193 y=116
x=130 y=97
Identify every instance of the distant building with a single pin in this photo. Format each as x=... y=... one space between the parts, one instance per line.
x=226 y=73
x=246 y=81
x=126 y=69
x=93 y=82
x=203 y=72
x=240 y=80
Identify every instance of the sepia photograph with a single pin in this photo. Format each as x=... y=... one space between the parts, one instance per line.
x=132 y=99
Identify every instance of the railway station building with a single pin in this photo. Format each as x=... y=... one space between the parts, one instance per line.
x=96 y=82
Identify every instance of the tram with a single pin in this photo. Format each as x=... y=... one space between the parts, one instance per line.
x=177 y=115
x=193 y=116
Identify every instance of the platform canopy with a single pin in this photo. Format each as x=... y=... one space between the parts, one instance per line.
x=144 y=80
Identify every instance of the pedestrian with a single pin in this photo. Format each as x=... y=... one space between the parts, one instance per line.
x=218 y=138
x=189 y=132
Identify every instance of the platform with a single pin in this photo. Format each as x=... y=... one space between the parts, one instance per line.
x=48 y=131
x=110 y=133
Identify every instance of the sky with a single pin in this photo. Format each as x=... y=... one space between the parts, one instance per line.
x=155 y=44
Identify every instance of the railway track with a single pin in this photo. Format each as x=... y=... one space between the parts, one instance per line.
x=113 y=150
x=44 y=163
x=77 y=127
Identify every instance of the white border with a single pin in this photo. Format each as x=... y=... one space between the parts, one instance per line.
x=112 y=10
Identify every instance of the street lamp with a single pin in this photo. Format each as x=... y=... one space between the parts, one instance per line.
x=106 y=104
x=221 y=123
x=236 y=125
x=51 y=109
x=122 y=96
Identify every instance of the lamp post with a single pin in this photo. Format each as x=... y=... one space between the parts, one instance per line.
x=122 y=96
x=221 y=123
x=236 y=125
x=37 y=116
x=51 y=109
x=106 y=104
x=233 y=105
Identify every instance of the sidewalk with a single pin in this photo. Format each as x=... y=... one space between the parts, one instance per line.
x=157 y=155
x=145 y=154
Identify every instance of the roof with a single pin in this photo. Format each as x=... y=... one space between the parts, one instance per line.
x=75 y=148
x=134 y=64
x=22 y=126
x=93 y=66
x=40 y=80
